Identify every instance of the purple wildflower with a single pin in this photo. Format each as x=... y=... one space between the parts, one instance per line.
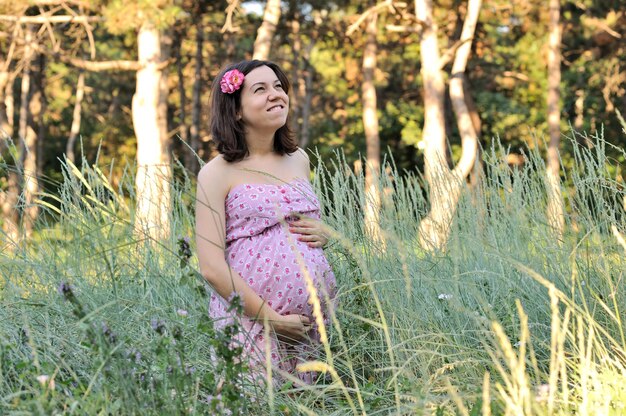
x=66 y=290
x=106 y=331
x=158 y=325
x=184 y=248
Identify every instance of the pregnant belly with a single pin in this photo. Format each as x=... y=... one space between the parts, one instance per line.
x=276 y=266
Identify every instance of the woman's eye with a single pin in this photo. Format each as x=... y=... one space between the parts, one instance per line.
x=278 y=86
x=258 y=89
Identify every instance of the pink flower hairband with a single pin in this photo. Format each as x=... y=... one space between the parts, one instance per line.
x=231 y=81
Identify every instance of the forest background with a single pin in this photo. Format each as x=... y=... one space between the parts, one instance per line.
x=68 y=72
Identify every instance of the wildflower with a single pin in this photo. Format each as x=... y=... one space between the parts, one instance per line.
x=444 y=296
x=184 y=247
x=106 y=331
x=46 y=381
x=182 y=312
x=158 y=325
x=231 y=81
x=66 y=290
x=517 y=344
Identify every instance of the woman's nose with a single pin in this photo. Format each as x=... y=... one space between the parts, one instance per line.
x=276 y=93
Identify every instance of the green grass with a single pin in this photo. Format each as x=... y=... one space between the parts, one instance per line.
x=506 y=320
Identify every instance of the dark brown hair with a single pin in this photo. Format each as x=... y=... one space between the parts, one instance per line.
x=227 y=132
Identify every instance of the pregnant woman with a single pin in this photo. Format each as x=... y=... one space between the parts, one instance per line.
x=257 y=220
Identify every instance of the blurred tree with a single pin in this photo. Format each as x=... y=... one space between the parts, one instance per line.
x=370 y=126
x=152 y=23
x=444 y=184
x=555 y=208
x=75 y=129
x=10 y=189
x=265 y=34
x=370 y=123
x=31 y=103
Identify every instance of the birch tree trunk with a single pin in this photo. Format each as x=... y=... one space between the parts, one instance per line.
x=296 y=97
x=372 y=139
x=444 y=185
x=307 y=91
x=469 y=135
x=6 y=128
x=30 y=115
x=433 y=229
x=196 y=100
x=555 y=207
x=149 y=114
x=183 y=129
x=75 y=129
x=9 y=197
x=7 y=111
x=263 y=42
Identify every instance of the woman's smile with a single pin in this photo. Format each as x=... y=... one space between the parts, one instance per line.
x=276 y=107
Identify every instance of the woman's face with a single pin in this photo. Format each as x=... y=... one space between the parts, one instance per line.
x=264 y=103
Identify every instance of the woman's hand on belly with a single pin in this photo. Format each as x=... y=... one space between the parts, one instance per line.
x=310 y=231
x=291 y=328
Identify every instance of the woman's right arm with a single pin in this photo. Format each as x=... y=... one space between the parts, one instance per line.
x=210 y=241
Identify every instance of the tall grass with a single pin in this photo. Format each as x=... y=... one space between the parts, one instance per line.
x=506 y=320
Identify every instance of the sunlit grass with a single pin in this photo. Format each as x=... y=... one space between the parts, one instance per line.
x=507 y=313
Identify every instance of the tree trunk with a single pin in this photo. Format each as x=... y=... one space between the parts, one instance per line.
x=75 y=130
x=32 y=119
x=372 y=139
x=307 y=91
x=5 y=128
x=10 y=212
x=444 y=185
x=555 y=207
x=149 y=113
x=8 y=124
x=433 y=229
x=7 y=111
x=263 y=42
x=9 y=197
x=297 y=80
x=196 y=100
x=41 y=127
x=469 y=135
x=183 y=129
x=434 y=88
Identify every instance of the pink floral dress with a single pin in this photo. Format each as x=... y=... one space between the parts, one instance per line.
x=261 y=249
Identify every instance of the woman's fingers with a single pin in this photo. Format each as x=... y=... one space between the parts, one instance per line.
x=292 y=328
x=309 y=231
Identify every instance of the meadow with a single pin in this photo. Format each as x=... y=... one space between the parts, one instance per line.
x=508 y=320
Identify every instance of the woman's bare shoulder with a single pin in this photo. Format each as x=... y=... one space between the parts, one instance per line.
x=215 y=175
x=303 y=154
x=303 y=162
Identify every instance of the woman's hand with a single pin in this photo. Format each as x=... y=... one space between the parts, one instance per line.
x=291 y=328
x=310 y=231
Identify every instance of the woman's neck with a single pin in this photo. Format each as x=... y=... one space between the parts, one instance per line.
x=260 y=144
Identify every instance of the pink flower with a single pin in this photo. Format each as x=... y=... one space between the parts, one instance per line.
x=231 y=81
